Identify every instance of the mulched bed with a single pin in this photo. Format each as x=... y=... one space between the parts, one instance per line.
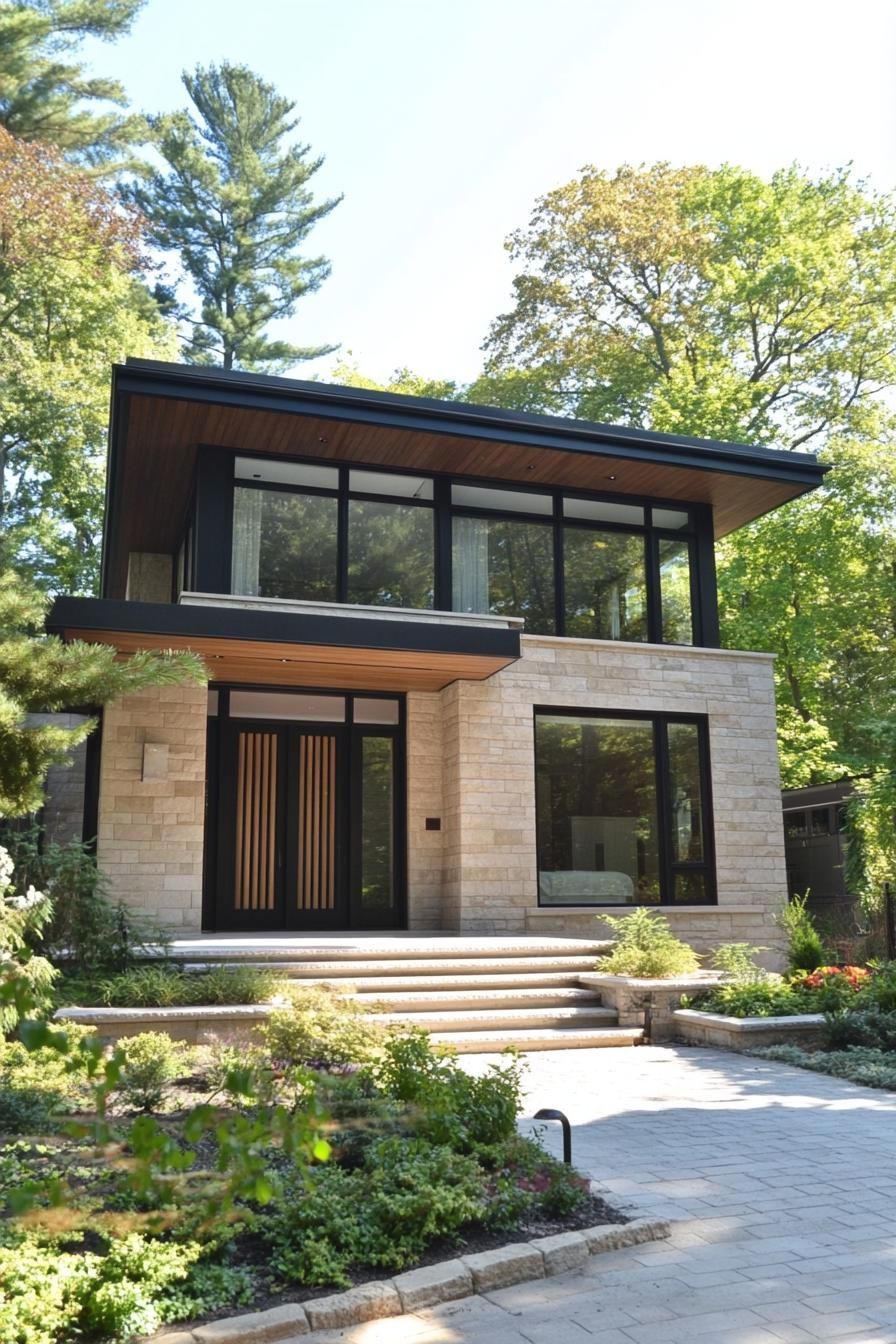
x=471 y=1241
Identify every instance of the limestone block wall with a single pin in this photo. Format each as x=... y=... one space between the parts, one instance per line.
x=488 y=843
x=150 y=830
x=424 y=793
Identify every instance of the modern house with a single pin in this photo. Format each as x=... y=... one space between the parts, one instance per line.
x=464 y=666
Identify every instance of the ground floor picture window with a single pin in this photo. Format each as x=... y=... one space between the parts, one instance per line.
x=622 y=809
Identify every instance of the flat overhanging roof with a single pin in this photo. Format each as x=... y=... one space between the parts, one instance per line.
x=162 y=413
x=283 y=648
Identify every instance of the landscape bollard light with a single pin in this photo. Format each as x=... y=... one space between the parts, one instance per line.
x=567 y=1132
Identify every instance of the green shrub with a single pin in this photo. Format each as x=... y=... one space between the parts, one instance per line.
x=771 y=998
x=526 y=1179
x=646 y=946
x=48 y=1296
x=380 y=1215
x=38 y=1087
x=149 y=986
x=156 y=985
x=738 y=962
x=152 y=1063
x=88 y=930
x=868 y=1026
x=237 y=984
x=450 y=1105
x=322 y=1028
x=858 y=1064
x=805 y=949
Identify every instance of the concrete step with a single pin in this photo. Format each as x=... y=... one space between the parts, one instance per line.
x=412 y=984
x=502 y=1019
x=305 y=950
x=478 y=999
x=509 y=968
x=560 y=1038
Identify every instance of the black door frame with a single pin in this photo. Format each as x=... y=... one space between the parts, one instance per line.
x=220 y=816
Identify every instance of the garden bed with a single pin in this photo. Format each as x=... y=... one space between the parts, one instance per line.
x=222 y=1179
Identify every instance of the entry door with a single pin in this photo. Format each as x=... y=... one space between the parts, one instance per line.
x=282 y=853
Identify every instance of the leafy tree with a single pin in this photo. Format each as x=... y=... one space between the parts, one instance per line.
x=71 y=303
x=41 y=674
x=814 y=582
x=403 y=381
x=700 y=301
x=234 y=204
x=715 y=303
x=46 y=96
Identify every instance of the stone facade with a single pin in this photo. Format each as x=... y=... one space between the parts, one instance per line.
x=150 y=830
x=470 y=763
x=488 y=782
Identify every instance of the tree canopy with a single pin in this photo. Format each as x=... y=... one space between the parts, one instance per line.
x=71 y=303
x=45 y=93
x=233 y=203
x=703 y=301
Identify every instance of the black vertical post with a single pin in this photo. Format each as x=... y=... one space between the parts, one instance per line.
x=891 y=922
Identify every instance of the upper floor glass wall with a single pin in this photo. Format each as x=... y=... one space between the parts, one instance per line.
x=567 y=564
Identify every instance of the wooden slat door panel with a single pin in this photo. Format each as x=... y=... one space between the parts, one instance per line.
x=316 y=884
x=255 y=875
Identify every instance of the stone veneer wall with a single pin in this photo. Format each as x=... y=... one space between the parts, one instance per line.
x=487 y=744
x=150 y=831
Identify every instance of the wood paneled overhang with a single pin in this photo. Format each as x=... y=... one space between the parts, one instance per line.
x=284 y=649
x=163 y=413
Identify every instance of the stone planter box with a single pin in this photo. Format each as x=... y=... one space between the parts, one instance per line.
x=747 y=1033
x=631 y=997
x=235 y=1024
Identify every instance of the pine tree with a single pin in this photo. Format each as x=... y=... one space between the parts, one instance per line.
x=234 y=203
x=40 y=674
x=47 y=97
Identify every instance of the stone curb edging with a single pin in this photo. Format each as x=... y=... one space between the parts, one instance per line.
x=426 y=1287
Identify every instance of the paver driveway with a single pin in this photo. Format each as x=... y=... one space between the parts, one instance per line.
x=783 y=1182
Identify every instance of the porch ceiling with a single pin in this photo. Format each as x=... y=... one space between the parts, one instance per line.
x=272 y=649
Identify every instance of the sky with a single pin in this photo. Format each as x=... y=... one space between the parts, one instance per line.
x=441 y=124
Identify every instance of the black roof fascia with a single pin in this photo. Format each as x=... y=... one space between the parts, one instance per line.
x=279 y=627
x=393 y=410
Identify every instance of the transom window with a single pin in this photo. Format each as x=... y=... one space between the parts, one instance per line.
x=622 y=805
x=567 y=564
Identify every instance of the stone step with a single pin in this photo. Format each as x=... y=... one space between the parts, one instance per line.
x=455 y=1000
x=502 y=1019
x=509 y=968
x=560 y=1038
x=301 y=950
x=378 y=985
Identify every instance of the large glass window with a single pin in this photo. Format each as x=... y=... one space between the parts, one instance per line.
x=504 y=566
x=675 y=591
x=284 y=545
x=605 y=584
x=390 y=554
x=577 y=565
x=622 y=816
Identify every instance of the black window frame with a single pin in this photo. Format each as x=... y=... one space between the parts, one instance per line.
x=699 y=534
x=668 y=868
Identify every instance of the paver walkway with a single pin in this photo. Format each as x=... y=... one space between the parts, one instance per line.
x=784 y=1183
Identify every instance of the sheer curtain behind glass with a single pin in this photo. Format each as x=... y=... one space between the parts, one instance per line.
x=469 y=565
x=248 y=506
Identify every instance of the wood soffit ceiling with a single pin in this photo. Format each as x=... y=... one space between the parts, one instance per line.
x=162 y=433
x=270 y=664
